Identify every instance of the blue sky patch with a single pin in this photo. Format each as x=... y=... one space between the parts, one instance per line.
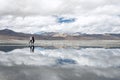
x=65 y=20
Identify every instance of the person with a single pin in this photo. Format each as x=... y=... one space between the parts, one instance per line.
x=32 y=40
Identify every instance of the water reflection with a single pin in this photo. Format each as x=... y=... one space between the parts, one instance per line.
x=95 y=57
x=32 y=48
x=59 y=63
x=65 y=61
x=10 y=48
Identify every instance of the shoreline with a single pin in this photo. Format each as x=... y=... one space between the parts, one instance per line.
x=64 y=43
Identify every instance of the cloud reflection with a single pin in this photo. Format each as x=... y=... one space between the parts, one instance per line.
x=93 y=57
x=60 y=64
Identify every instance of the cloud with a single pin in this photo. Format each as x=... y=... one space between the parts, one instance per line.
x=29 y=7
x=91 y=16
x=51 y=7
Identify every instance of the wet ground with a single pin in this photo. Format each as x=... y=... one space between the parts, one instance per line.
x=53 y=63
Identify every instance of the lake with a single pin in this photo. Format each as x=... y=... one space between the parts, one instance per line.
x=59 y=63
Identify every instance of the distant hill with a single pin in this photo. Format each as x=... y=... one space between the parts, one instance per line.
x=9 y=34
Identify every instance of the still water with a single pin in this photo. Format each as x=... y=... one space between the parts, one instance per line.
x=53 y=63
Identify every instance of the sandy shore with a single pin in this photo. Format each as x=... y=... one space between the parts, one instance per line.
x=82 y=43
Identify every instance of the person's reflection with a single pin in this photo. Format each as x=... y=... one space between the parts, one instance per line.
x=32 y=48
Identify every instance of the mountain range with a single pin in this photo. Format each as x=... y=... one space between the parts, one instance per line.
x=10 y=34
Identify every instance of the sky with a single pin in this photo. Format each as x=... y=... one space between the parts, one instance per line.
x=85 y=16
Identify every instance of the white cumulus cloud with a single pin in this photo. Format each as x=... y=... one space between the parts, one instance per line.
x=101 y=16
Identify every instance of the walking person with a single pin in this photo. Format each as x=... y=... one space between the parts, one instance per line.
x=32 y=40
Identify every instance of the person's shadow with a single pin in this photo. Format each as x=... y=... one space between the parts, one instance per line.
x=32 y=47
